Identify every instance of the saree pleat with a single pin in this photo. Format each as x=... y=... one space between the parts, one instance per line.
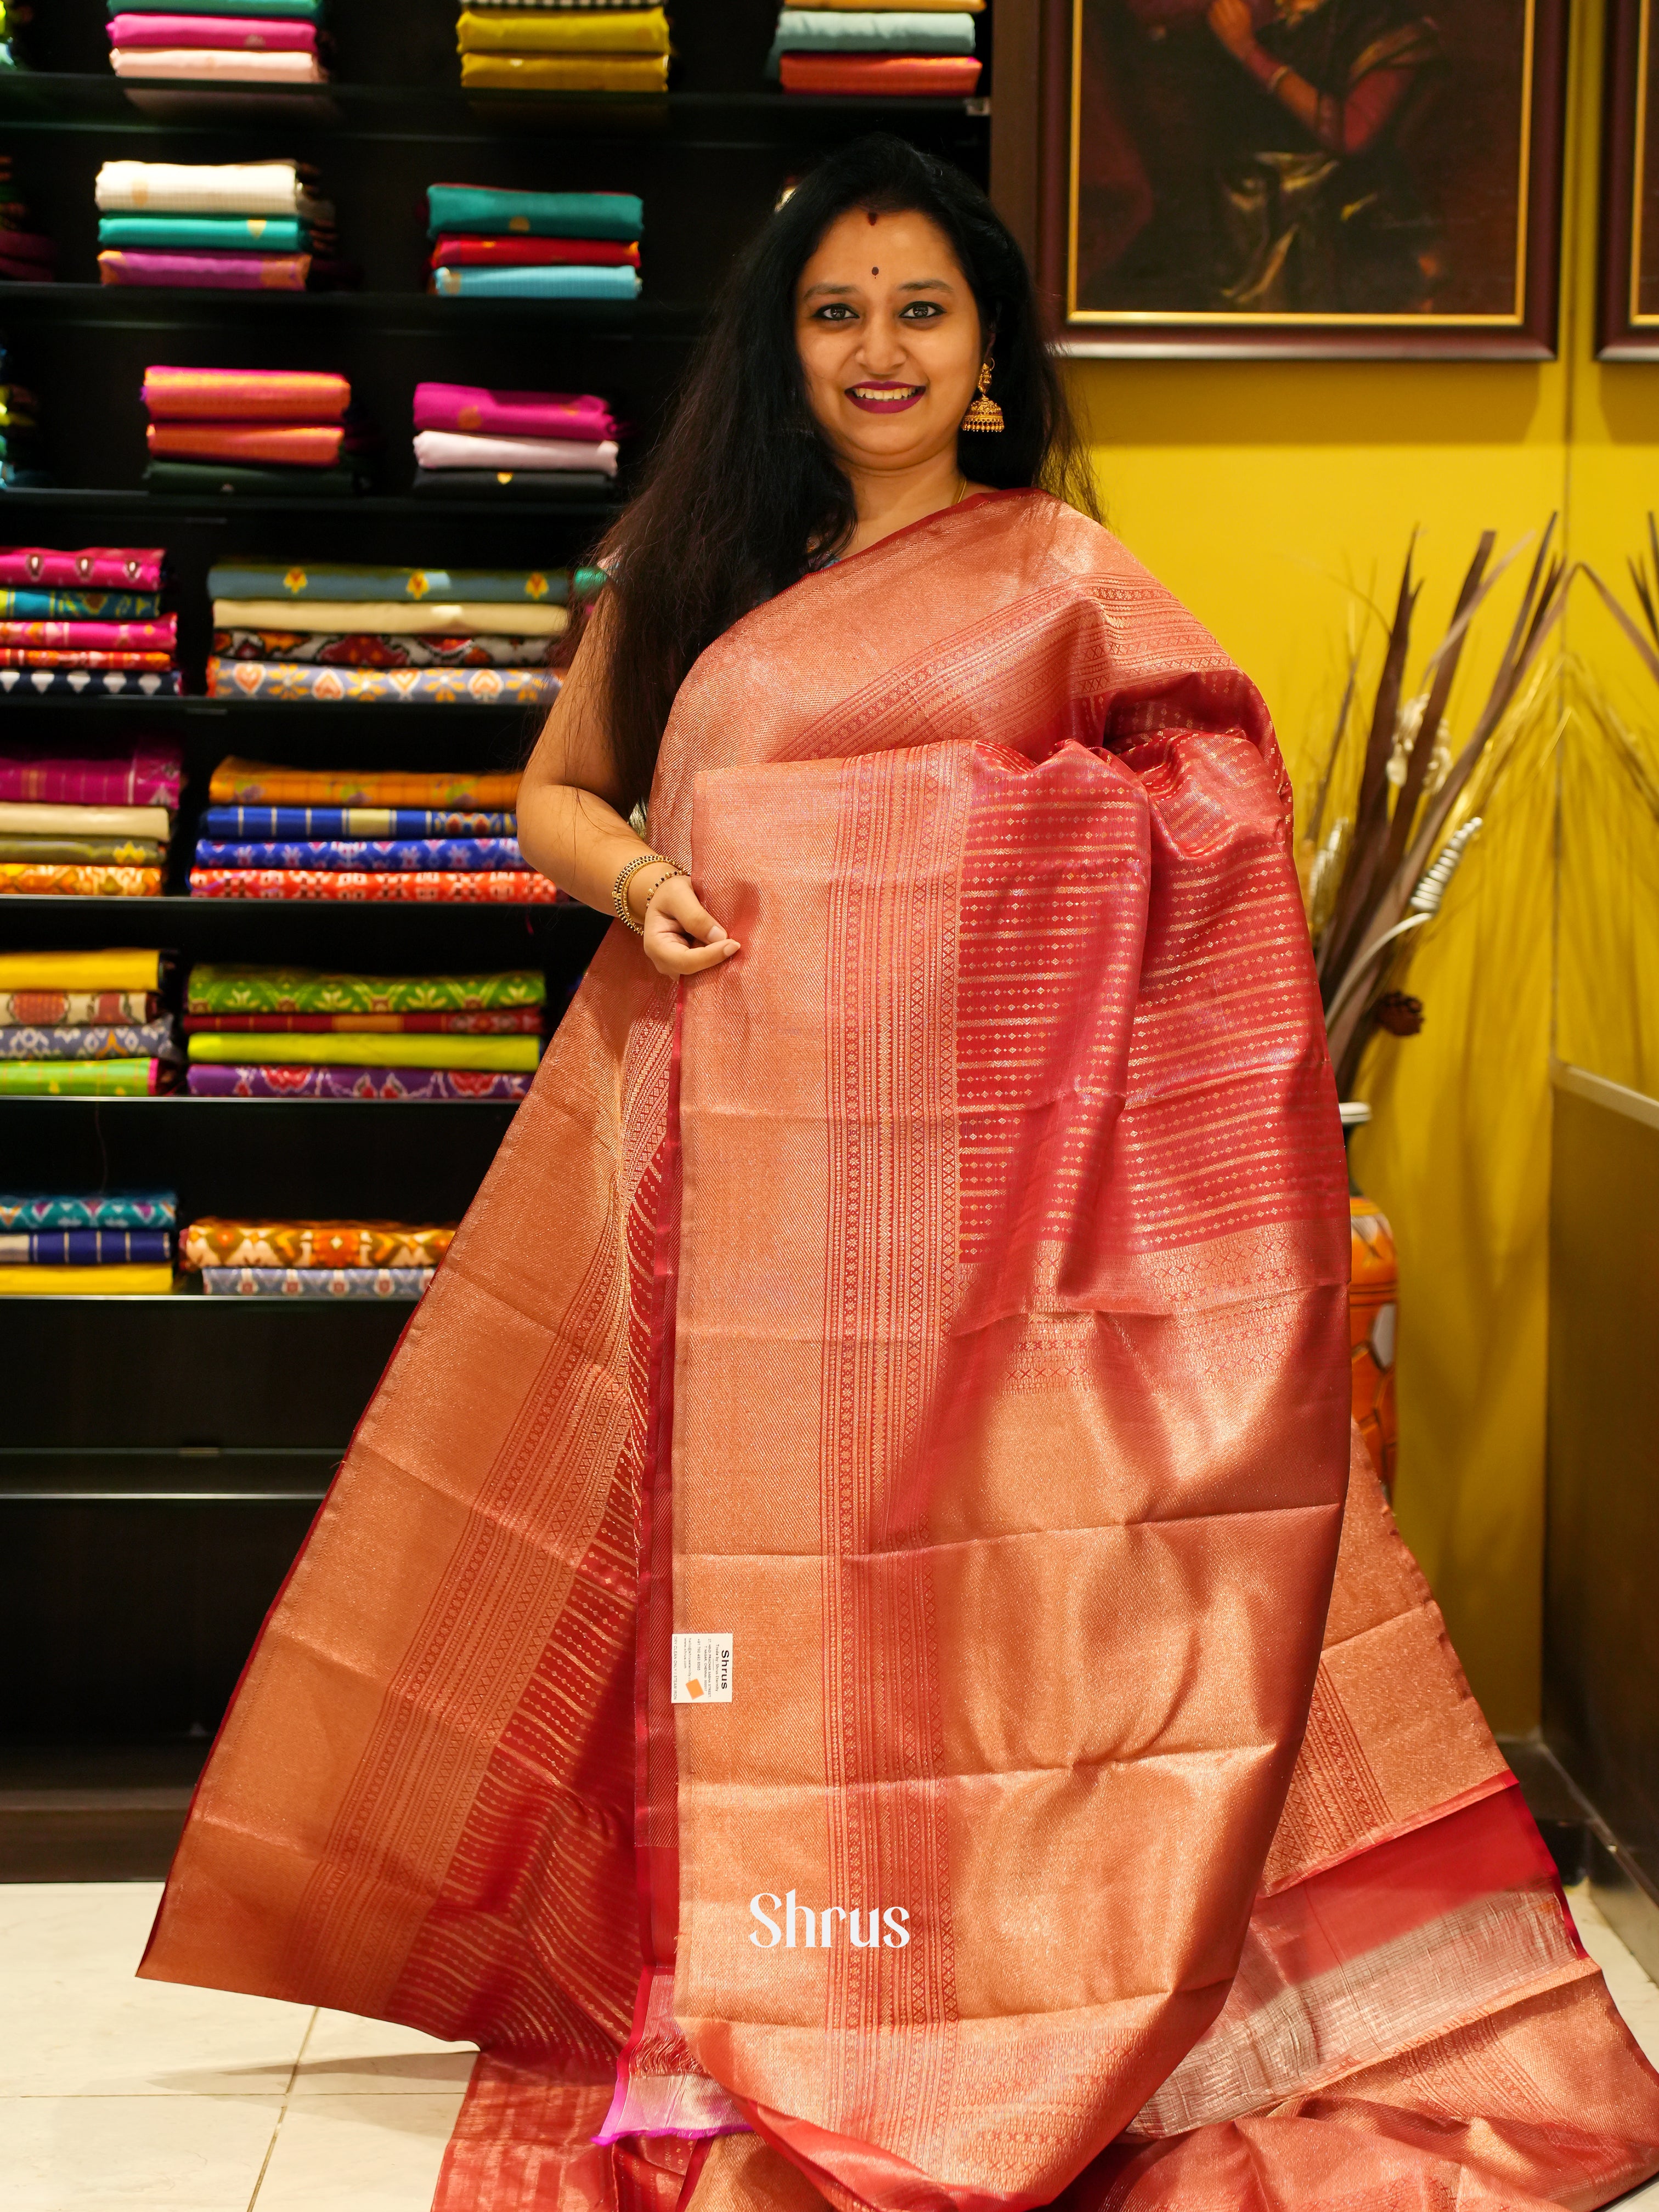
x=947 y=1301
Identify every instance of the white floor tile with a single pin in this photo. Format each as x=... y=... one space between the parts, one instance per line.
x=76 y=2021
x=1631 y=1991
x=103 y=2153
x=379 y=2154
x=345 y=2056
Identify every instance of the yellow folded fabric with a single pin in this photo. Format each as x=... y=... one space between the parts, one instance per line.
x=348 y=1048
x=604 y=31
x=61 y=1282
x=80 y=971
x=565 y=72
x=394 y=618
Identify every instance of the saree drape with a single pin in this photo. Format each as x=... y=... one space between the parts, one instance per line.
x=937 y=1317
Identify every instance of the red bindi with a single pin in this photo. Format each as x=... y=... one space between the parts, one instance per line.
x=875 y=272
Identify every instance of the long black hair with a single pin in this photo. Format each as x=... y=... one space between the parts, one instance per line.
x=744 y=483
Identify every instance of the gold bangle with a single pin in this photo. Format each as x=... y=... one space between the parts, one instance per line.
x=619 y=888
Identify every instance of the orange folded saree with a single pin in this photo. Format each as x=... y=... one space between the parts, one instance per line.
x=822 y=1655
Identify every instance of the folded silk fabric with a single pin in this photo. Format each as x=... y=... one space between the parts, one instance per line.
x=80 y=1078
x=306 y=8
x=41 y=879
x=906 y=7
x=75 y=1009
x=117 y=567
x=82 y=1282
x=92 y=683
x=360 y=821
x=111 y=1210
x=455 y=887
x=298 y=582
x=361 y=649
x=898 y=77
x=161 y=636
x=296 y=445
x=480 y=210
x=55 y=657
x=204 y=62
x=243 y=782
x=394 y=618
x=213 y=272
x=214 y=1242
x=460 y=449
x=565 y=72
x=237 y=188
x=632 y=30
x=453 y=251
x=315 y=1282
x=246 y=395
x=267 y=479
x=84 y=1248
x=430 y=687
x=227 y=34
x=148 y=776
x=216 y=988
x=577 y=417
x=152 y=1040
x=379 y=856
x=506 y=1054
x=126 y=852
x=79 y=606
x=476 y=1084
x=875 y=30
x=119 y=969
x=208 y=234
x=508 y=1021
x=542 y=484
x=553 y=282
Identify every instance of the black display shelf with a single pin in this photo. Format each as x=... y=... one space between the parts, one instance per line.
x=93 y=306
x=46 y=501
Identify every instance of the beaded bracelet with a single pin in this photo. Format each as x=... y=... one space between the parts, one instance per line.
x=619 y=888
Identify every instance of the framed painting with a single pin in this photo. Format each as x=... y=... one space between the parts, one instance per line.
x=1630 y=187
x=1315 y=177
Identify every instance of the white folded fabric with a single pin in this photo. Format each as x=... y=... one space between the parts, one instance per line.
x=394 y=617
x=22 y=818
x=215 y=64
x=462 y=449
x=215 y=188
x=874 y=30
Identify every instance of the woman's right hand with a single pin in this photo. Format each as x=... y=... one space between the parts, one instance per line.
x=682 y=938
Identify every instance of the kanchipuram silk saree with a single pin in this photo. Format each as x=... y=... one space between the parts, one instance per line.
x=836 y=1654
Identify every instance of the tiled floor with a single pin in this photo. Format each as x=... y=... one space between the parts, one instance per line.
x=115 y=2092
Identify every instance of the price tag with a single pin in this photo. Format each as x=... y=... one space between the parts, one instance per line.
x=702 y=1668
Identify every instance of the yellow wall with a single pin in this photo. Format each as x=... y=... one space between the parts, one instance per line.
x=1262 y=493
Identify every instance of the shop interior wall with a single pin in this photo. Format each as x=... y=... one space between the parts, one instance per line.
x=1269 y=496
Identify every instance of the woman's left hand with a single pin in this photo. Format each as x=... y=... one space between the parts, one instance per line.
x=1233 y=24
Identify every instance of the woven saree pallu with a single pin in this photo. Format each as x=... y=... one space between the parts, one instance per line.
x=863 y=1558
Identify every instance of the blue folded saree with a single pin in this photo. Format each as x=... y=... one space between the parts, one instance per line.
x=220 y=233
x=557 y=281
x=481 y=211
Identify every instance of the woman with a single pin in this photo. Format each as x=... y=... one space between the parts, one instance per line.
x=813 y=1658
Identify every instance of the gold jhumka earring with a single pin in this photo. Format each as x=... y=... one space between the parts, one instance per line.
x=983 y=413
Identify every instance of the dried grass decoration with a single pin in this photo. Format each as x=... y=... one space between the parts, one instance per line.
x=1380 y=870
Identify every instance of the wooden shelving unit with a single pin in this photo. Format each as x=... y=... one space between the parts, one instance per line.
x=162 y=1457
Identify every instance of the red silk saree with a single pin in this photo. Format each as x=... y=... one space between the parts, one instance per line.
x=945 y=1305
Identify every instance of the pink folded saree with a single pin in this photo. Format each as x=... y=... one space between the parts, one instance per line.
x=821 y=1656
x=107 y=567
x=217 y=272
x=227 y=33
x=214 y=65
x=158 y=636
x=466 y=407
x=230 y=395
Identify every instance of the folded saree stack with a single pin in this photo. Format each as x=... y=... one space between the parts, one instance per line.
x=564 y=46
x=85 y=1025
x=282 y=430
x=339 y=631
x=110 y=1244
x=313 y=1259
x=87 y=828
x=227 y=226
x=87 y=622
x=895 y=48
x=287 y=833
x=27 y=255
x=19 y=425
x=217 y=41
x=537 y=246
x=301 y=1033
x=542 y=445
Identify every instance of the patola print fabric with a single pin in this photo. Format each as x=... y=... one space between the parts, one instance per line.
x=894 y=1500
